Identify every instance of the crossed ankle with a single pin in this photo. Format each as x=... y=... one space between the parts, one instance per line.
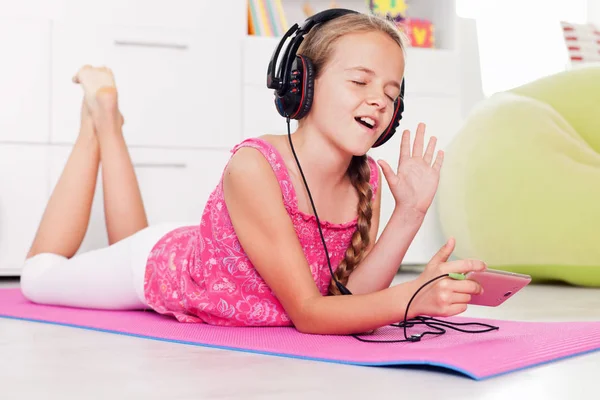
x=107 y=101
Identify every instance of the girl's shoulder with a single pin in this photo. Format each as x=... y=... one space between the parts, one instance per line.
x=268 y=148
x=257 y=160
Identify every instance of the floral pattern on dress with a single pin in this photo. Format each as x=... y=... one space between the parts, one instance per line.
x=201 y=274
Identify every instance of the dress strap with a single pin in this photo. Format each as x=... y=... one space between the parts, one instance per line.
x=277 y=164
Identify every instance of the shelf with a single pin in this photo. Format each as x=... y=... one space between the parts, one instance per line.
x=441 y=13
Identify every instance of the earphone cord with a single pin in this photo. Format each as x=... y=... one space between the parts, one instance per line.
x=341 y=287
x=429 y=321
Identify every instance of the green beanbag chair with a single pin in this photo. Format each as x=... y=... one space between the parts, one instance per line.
x=520 y=185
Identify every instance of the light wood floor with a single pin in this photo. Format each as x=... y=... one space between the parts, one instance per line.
x=40 y=361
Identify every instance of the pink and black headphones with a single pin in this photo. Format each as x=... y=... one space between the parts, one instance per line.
x=294 y=81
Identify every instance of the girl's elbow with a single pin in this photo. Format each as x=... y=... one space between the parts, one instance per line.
x=305 y=325
x=305 y=320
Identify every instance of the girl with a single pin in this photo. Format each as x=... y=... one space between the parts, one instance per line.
x=256 y=257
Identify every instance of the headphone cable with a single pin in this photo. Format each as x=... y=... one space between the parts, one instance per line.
x=431 y=322
x=343 y=289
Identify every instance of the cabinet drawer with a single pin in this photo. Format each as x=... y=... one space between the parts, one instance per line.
x=23 y=198
x=208 y=14
x=175 y=186
x=25 y=80
x=172 y=91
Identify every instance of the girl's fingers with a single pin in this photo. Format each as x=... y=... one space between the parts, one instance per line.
x=439 y=159
x=463 y=266
x=430 y=149
x=388 y=174
x=404 y=147
x=419 y=140
x=468 y=287
x=460 y=298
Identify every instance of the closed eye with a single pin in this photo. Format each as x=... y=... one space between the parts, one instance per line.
x=363 y=84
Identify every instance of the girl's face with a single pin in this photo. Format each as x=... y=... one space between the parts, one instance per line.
x=355 y=93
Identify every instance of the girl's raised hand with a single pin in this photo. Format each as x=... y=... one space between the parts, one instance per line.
x=416 y=180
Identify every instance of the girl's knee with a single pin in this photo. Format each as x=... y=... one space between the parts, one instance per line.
x=33 y=272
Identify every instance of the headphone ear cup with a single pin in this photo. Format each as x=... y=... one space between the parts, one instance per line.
x=306 y=86
x=296 y=101
x=391 y=129
x=279 y=105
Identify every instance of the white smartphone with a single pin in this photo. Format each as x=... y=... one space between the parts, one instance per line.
x=498 y=286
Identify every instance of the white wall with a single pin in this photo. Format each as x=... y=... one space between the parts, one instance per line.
x=593 y=9
x=470 y=67
x=521 y=40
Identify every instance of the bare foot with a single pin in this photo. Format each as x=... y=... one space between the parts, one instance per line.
x=100 y=94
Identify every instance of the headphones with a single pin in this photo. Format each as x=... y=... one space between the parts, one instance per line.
x=294 y=81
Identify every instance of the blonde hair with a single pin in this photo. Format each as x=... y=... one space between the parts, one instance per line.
x=318 y=46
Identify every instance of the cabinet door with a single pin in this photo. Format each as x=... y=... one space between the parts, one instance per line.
x=24 y=79
x=175 y=186
x=23 y=198
x=442 y=118
x=173 y=89
x=260 y=115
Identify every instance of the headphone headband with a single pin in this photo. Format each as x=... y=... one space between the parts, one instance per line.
x=275 y=80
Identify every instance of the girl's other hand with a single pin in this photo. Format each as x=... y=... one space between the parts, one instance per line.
x=446 y=297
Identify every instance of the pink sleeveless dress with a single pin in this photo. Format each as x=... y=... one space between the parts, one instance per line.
x=201 y=273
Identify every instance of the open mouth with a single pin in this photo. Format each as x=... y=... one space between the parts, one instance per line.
x=366 y=121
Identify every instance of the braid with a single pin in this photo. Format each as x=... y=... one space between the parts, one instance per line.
x=360 y=174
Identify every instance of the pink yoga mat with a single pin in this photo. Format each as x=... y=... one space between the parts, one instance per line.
x=515 y=346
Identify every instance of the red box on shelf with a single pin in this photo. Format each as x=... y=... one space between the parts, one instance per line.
x=419 y=31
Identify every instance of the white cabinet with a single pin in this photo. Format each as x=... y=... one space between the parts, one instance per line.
x=23 y=198
x=260 y=115
x=217 y=18
x=175 y=185
x=173 y=89
x=24 y=79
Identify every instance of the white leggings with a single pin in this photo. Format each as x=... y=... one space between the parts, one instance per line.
x=108 y=278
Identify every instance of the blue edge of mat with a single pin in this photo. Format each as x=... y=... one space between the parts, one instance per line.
x=405 y=363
